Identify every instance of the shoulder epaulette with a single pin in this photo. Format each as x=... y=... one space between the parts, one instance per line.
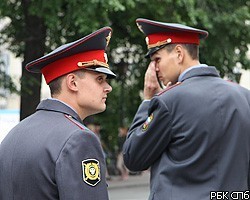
x=168 y=88
x=70 y=118
x=230 y=81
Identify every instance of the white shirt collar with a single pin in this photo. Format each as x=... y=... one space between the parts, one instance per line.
x=54 y=99
x=188 y=69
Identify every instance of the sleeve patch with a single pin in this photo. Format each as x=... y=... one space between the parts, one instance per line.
x=91 y=172
x=147 y=122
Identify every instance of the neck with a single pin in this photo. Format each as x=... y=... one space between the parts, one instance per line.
x=69 y=100
x=189 y=64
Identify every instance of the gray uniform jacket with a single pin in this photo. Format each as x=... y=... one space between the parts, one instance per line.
x=195 y=137
x=50 y=155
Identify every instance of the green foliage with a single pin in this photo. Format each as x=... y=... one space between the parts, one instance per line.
x=228 y=26
x=6 y=83
x=227 y=22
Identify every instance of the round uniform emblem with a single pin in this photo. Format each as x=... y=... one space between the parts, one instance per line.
x=147 y=122
x=91 y=171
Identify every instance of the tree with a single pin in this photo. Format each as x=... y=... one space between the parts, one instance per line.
x=6 y=83
x=226 y=21
x=38 y=27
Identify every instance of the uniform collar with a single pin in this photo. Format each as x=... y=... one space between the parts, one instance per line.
x=199 y=71
x=188 y=69
x=56 y=105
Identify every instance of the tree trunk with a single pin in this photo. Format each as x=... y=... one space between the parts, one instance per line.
x=34 y=48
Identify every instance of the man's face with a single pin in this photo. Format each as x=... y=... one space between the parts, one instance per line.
x=93 y=91
x=166 y=66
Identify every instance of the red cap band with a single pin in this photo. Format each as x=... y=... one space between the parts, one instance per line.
x=69 y=64
x=173 y=37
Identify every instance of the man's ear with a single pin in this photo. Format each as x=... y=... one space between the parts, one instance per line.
x=71 y=82
x=180 y=53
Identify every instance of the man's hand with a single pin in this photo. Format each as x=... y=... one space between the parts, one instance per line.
x=151 y=84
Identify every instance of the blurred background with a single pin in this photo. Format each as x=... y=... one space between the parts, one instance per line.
x=31 y=28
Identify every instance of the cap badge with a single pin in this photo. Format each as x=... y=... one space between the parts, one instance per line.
x=159 y=43
x=91 y=171
x=106 y=57
x=139 y=27
x=92 y=63
x=147 y=40
x=169 y=40
x=108 y=39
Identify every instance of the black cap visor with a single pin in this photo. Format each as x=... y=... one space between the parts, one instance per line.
x=103 y=70
x=151 y=51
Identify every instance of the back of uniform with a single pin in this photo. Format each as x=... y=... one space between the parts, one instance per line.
x=54 y=156
x=195 y=140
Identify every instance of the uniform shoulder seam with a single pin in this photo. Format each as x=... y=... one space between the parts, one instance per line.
x=70 y=118
x=168 y=88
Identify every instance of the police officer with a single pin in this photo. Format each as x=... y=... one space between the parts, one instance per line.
x=194 y=135
x=51 y=154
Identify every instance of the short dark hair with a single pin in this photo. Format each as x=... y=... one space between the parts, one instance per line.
x=192 y=49
x=56 y=85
